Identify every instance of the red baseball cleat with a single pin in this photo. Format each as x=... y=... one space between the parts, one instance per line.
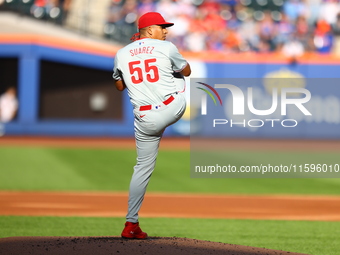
x=133 y=231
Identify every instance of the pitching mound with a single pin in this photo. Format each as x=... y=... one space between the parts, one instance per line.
x=117 y=245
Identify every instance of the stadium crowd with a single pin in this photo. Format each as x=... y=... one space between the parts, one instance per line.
x=50 y=10
x=291 y=26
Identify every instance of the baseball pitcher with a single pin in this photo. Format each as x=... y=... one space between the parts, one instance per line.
x=148 y=68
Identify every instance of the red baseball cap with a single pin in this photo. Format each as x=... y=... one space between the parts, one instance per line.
x=152 y=18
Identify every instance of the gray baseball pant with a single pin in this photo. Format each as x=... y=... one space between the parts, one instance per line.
x=148 y=133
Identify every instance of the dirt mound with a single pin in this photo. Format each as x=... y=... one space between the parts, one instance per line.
x=117 y=245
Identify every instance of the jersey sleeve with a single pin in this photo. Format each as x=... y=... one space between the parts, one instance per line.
x=116 y=72
x=177 y=60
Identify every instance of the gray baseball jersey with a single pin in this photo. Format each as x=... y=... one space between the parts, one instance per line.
x=146 y=67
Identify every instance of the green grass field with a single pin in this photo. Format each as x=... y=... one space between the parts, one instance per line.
x=110 y=170
x=57 y=169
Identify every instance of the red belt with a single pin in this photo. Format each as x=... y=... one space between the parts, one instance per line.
x=149 y=107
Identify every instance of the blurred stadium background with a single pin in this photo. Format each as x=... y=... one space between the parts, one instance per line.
x=58 y=54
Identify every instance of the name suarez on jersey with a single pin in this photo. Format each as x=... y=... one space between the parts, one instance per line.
x=141 y=50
